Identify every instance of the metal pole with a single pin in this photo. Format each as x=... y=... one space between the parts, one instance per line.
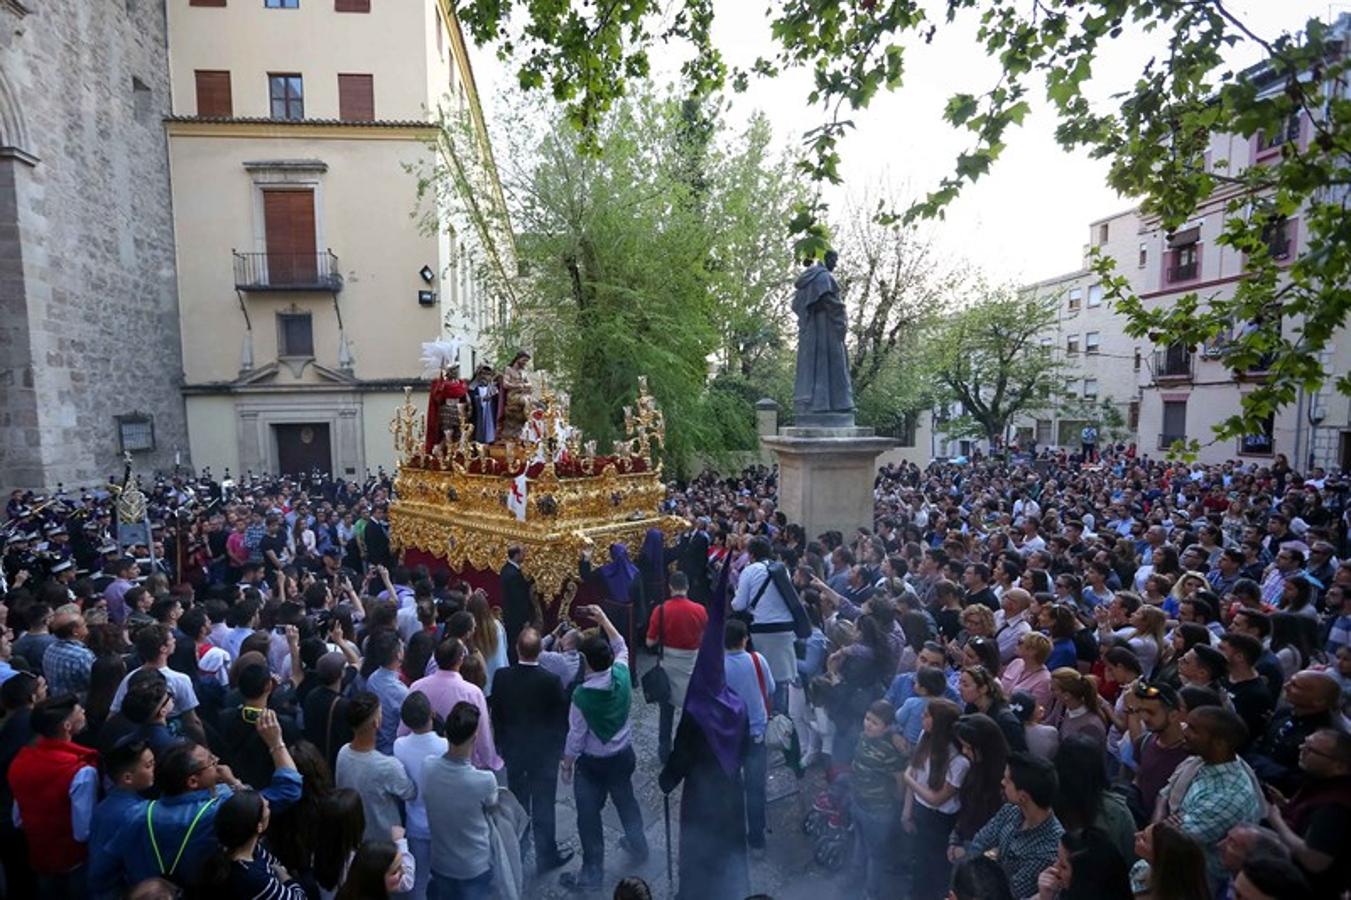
x=666 y=818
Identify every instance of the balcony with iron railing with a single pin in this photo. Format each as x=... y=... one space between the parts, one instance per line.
x=1183 y=272
x=287 y=271
x=1175 y=363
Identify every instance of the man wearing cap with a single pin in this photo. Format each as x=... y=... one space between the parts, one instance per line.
x=17 y=557
x=325 y=708
x=108 y=555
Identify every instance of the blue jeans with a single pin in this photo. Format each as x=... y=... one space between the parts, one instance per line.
x=595 y=779
x=443 y=888
x=874 y=845
x=755 y=775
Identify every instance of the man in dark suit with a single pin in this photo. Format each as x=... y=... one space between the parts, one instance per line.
x=694 y=562
x=530 y=721
x=377 y=538
x=515 y=597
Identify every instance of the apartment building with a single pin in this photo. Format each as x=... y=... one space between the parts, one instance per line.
x=1102 y=361
x=307 y=282
x=1188 y=390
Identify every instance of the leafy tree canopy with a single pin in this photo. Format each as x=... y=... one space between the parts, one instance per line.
x=989 y=357
x=1155 y=132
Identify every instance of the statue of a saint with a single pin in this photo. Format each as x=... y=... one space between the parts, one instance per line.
x=483 y=405
x=516 y=392
x=447 y=407
x=821 y=391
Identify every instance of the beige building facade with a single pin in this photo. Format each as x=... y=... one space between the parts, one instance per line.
x=1167 y=393
x=308 y=274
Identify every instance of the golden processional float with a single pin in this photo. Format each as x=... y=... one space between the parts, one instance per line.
x=463 y=503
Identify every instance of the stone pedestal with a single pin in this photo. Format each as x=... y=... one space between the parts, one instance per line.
x=826 y=475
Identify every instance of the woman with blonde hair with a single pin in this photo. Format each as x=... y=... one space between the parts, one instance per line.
x=1143 y=632
x=977 y=621
x=1077 y=709
x=1027 y=671
x=489 y=638
x=1188 y=583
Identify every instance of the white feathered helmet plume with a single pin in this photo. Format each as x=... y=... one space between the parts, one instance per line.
x=440 y=355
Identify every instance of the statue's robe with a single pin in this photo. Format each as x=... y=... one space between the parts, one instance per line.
x=822 y=383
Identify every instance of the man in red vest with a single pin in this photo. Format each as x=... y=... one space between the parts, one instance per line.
x=55 y=786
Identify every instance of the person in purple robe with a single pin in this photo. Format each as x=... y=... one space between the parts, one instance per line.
x=710 y=744
x=621 y=586
x=652 y=560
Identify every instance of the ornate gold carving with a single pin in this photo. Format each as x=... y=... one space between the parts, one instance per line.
x=453 y=506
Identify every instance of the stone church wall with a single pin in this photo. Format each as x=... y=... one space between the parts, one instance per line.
x=89 y=327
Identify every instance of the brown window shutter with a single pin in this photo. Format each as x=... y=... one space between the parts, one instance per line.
x=288 y=217
x=354 y=6
x=213 y=94
x=356 y=98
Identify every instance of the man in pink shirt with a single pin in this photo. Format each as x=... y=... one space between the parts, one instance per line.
x=445 y=688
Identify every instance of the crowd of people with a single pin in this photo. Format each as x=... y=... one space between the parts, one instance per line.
x=1057 y=676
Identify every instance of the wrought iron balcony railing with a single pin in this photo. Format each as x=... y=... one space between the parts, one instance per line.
x=287 y=271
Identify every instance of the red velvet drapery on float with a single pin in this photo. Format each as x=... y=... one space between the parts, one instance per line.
x=491 y=584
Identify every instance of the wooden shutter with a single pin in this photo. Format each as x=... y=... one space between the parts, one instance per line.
x=213 y=94
x=356 y=98
x=356 y=6
x=288 y=217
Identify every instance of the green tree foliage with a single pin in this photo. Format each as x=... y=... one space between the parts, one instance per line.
x=662 y=255
x=1154 y=131
x=988 y=357
x=894 y=285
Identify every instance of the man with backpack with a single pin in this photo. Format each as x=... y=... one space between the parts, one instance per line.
x=765 y=595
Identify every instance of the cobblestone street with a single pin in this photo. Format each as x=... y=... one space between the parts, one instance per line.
x=787 y=871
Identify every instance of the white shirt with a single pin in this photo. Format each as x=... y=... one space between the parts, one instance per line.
x=958 y=766
x=1010 y=633
x=180 y=688
x=413 y=750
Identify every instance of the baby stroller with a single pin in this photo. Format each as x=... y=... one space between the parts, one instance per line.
x=827 y=824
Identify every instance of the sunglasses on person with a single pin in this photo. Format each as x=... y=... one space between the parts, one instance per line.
x=1145 y=691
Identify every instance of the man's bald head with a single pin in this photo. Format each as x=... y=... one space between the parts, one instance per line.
x=1312 y=691
x=528 y=644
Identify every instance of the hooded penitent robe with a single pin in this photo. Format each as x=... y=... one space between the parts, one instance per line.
x=710 y=744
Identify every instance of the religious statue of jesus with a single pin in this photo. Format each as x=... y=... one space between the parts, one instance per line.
x=516 y=392
x=822 y=390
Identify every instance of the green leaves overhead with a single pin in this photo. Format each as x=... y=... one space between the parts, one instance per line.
x=1156 y=131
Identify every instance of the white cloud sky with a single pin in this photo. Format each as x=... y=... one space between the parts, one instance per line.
x=1028 y=219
